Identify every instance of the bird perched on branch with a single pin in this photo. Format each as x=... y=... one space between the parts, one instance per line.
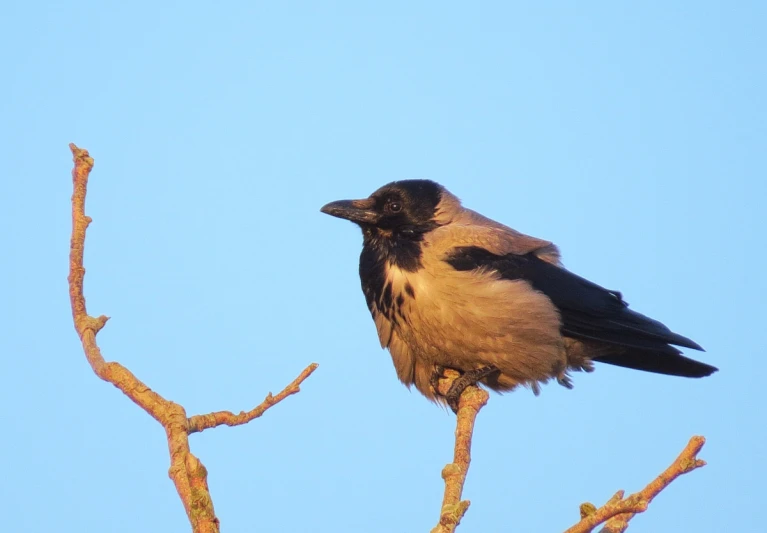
x=450 y=288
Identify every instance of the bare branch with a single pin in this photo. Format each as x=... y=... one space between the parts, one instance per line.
x=186 y=471
x=202 y=422
x=617 y=512
x=454 y=474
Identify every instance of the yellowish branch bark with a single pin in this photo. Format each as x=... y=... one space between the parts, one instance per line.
x=617 y=512
x=211 y=420
x=471 y=401
x=186 y=471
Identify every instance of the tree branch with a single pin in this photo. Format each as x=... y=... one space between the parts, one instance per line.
x=202 y=422
x=186 y=471
x=454 y=474
x=617 y=512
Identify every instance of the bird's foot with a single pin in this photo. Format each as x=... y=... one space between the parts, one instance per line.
x=467 y=379
x=437 y=374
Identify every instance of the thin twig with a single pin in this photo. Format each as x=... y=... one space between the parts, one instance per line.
x=186 y=471
x=617 y=512
x=202 y=422
x=454 y=474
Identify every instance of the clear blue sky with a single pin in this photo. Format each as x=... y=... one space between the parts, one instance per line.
x=634 y=137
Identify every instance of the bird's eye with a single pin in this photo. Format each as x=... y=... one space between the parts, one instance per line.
x=395 y=206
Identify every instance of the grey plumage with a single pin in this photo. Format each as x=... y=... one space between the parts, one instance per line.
x=448 y=287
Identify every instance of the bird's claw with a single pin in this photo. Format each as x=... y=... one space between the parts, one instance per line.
x=466 y=379
x=437 y=374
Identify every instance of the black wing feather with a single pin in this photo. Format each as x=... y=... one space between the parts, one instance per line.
x=592 y=312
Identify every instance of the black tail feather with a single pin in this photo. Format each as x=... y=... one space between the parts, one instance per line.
x=627 y=328
x=660 y=363
x=593 y=314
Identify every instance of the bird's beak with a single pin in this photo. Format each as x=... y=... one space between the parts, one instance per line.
x=359 y=211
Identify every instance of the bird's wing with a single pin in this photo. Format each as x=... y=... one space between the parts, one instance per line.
x=588 y=311
x=470 y=228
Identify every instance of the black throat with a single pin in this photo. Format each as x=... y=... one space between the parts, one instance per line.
x=379 y=250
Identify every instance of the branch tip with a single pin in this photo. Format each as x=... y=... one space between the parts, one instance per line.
x=587 y=509
x=81 y=155
x=199 y=423
x=617 y=512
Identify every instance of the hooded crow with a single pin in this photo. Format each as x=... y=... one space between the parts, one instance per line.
x=450 y=288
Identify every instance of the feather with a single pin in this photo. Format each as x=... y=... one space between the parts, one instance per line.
x=591 y=312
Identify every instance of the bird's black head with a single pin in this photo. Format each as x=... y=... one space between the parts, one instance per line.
x=402 y=208
x=394 y=219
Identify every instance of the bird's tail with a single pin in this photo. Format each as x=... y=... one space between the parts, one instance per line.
x=659 y=362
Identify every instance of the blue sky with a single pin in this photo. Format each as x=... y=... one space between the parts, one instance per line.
x=632 y=136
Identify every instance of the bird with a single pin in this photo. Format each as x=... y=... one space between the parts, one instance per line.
x=449 y=288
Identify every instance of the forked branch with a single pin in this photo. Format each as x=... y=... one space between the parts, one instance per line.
x=186 y=471
x=617 y=512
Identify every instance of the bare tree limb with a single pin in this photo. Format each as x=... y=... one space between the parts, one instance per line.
x=186 y=471
x=211 y=420
x=617 y=512
x=471 y=401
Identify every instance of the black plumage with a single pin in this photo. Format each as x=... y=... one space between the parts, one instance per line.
x=592 y=312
